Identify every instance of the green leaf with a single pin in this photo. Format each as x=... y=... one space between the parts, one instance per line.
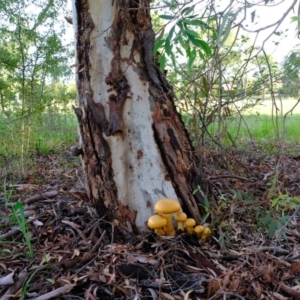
x=173 y=58
x=171 y=32
x=168 y=46
x=167 y=17
x=157 y=45
x=295 y=18
x=272 y=228
x=196 y=23
x=187 y=10
x=201 y=55
x=191 y=32
x=181 y=41
x=199 y=43
x=275 y=202
x=192 y=56
x=180 y=25
x=162 y=62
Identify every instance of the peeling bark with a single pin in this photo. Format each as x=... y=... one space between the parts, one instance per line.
x=135 y=148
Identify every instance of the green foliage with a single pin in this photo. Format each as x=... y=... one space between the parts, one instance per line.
x=27 y=283
x=51 y=132
x=291 y=78
x=271 y=222
x=206 y=204
x=285 y=203
x=19 y=217
x=266 y=218
x=33 y=65
x=183 y=37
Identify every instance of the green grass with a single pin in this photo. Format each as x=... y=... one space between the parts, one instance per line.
x=46 y=133
x=19 y=218
x=262 y=128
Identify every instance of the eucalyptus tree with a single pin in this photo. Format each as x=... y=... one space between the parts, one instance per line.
x=135 y=148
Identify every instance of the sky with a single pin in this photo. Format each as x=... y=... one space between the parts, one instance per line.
x=265 y=16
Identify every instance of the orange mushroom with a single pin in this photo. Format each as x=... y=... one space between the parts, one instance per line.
x=167 y=207
x=157 y=222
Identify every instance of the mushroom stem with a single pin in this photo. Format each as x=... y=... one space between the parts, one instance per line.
x=168 y=228
x=180 y=225
x=159 y=231
x=180 y=217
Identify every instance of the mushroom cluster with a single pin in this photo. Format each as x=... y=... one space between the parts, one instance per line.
x=163 y=225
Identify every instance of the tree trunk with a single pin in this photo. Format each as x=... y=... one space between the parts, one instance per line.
x=135 y=148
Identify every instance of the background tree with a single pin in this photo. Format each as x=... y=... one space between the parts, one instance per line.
x=33 y=58
x=291 y=79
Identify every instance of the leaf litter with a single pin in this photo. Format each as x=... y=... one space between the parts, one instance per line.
x=74 y=258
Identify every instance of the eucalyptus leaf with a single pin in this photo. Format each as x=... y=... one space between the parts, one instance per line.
x=168 y=47
x=199 y=43
x=188 y=10
x=192 y=56
x=162 y=62
x=197 y=23
x=157 y=45
x=167 y=17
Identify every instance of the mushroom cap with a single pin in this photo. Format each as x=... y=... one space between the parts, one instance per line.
x=190 y=222
x=199 y=229
x=167 y=206
x=207 y=231
x=180 y=216
x=157 y=221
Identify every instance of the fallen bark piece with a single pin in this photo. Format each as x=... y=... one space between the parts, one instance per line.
x=78 y=261
x=55 y=293
x=7 y=280
x=75 y=227
x=10 y=234
x=20 y=280
x=279 y=296
x=41 y=196
x=24 y=186
x=15 y=231
x=290 y=291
